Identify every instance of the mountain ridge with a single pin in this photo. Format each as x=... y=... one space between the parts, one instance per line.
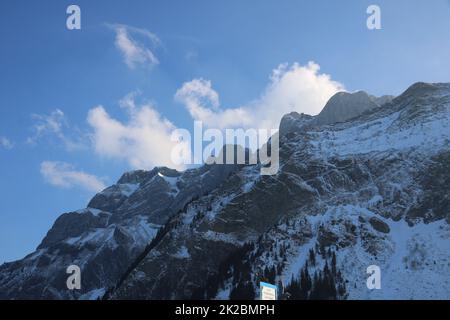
x=388 y=165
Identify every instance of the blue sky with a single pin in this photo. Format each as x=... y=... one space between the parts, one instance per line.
x=57 y=146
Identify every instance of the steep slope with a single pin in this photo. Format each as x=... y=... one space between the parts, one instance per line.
x=374 y=190
x=108 y=235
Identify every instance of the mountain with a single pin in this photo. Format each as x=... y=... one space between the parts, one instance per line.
x=344 y=106
x=354 y=190
x=108 y=235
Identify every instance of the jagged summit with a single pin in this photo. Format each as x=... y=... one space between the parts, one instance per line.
x=139 y=176
x=135 y=176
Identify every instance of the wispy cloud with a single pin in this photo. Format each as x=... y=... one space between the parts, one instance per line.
x=56 y=125
x=144 y=140
x=291 y=88
x=136 y=52
x=5 y=143
x=64 y=175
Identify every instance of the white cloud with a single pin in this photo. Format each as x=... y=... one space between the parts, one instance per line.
x=295 y=88
x=129 y=101
x=53 y=123
x=56 y=124
x=144 y=141
x=5 y=143
x=144 y=138
x=136 y=52
x=200 y=99
x=64 y=175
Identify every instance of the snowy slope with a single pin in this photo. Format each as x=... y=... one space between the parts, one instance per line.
x=371 y=189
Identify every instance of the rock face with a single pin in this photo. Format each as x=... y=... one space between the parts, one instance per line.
x=108 y=235
x=344 y=106
x=379 y=225
x=382 y=100
x=294 y=122
x=370 y=189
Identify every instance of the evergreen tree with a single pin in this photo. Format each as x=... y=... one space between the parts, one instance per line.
x=326 y=270
x=308 y=280
x=243 y=291
x=333 y=263
x=312 y=257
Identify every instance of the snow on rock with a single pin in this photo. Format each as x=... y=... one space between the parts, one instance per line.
x=385 y=134
x=182 y=253
x=94 y=294
x=171 y=181
x=128 y=188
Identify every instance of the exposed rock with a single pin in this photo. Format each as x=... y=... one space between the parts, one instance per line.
x=344 y=106
x=373 y=188
x=379 y=225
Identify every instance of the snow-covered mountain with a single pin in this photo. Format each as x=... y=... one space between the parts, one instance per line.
x=107 y=236
x=371 y=187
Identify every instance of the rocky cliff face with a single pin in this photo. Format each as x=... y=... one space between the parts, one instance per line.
x=369 y=189
x=108 y=235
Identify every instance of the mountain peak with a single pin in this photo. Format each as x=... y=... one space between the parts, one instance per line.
x=373 y=189
x=136 y=176
x=423 y=89
x=344 y=106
